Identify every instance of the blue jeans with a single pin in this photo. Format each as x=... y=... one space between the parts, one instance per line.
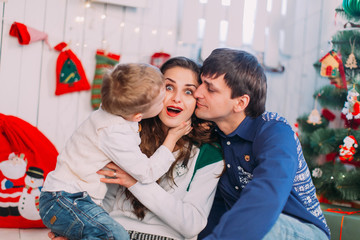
x=76 y=216
x=287 y=227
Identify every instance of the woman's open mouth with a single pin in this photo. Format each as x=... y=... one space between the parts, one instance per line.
x=173 y=111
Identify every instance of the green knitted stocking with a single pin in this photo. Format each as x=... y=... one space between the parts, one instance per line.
x=104 y=62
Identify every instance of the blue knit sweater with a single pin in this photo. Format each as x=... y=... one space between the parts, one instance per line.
x=266 y=175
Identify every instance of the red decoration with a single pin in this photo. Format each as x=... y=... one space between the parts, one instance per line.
x=347 y=150
x=331 y=156
x=332 y=67
x=70 y=74
x=26 y=157
x=353 y=123
x=328 y=114
x=158 y=58
x=27 y=35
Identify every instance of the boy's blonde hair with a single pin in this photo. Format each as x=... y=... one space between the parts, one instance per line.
x=130 y=88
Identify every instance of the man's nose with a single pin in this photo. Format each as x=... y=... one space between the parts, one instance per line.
x=197 y=92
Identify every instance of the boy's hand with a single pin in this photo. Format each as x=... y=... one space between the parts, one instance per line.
x=174 y=134
x=183 y=129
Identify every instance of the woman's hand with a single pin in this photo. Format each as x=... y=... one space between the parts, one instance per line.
x=51 y=235
x=117 y=176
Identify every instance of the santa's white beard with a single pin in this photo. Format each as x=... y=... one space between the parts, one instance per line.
x=13 y=171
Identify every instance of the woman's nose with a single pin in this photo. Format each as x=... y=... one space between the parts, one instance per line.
x=177 y=97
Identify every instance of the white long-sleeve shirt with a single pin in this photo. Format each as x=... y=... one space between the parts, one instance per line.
x=173 y=211
x=101 y=139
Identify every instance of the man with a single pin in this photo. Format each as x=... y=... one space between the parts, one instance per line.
x=267 y=186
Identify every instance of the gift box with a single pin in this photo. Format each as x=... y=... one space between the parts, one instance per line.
x=344 y=222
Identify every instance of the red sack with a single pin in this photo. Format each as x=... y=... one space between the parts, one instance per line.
x=26 y=157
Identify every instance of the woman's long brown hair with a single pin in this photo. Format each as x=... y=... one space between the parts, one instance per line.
x=153 y=134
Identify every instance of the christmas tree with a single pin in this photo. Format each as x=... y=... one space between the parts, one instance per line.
x=331 y=147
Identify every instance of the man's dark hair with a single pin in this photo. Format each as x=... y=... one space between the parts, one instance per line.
x=243 y=74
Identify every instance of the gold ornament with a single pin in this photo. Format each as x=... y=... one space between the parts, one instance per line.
x=351 y=61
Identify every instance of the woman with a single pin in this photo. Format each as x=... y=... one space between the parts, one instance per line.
x=178 y=205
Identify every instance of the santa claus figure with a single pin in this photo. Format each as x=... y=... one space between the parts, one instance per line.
x=12 y=173
x=352 y=106
x=348 y=149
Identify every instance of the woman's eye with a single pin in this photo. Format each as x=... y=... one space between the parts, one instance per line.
x=189 y=92
x=169 y=87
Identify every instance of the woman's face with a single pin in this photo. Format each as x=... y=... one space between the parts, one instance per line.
x=179 y=102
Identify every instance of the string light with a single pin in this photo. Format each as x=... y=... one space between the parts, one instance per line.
x=226 y=2
x=103 y=16
x=87 y=3
x=137 y=29
x=122 y=24
x=154 y=31
x=79 y=19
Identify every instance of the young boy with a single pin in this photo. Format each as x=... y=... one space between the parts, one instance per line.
x=71 y=199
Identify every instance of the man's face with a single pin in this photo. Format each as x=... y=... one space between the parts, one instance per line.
x=214 y=101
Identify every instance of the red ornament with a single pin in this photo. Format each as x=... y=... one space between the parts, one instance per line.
x=347 y=150
x=158 y=58
x=328 y=114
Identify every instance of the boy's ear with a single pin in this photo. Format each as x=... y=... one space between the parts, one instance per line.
x=241 y=103
x=137 y=117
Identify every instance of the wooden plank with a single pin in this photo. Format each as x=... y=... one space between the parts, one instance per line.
x=2 y=5
x=92 y=40
x=11 y=54
x=271 y=54
x=31 y=64
x=288 y=29
x=191 y=11
x=33 y=233
x=258 y=43
x=235 y=19
x=10 y=233
x=114 y=29
x=168 y=20
x=131 y=39
x=212 y=27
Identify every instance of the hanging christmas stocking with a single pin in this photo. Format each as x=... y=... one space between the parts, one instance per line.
x=70 y=74
x=104 y=62
x=27 y=35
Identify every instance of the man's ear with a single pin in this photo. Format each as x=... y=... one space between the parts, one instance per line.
x=137 y=117
x=241 y=103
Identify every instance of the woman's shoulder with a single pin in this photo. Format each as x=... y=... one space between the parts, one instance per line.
x=209 y=153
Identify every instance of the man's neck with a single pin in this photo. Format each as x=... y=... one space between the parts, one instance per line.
x=228 y=125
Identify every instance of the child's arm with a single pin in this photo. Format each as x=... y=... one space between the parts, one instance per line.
x=123 y=149
x=174 y=134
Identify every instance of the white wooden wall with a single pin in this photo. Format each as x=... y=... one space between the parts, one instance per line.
x=27 y=73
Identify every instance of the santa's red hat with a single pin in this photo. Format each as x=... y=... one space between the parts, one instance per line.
x=355 y=142
x=27 y=35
